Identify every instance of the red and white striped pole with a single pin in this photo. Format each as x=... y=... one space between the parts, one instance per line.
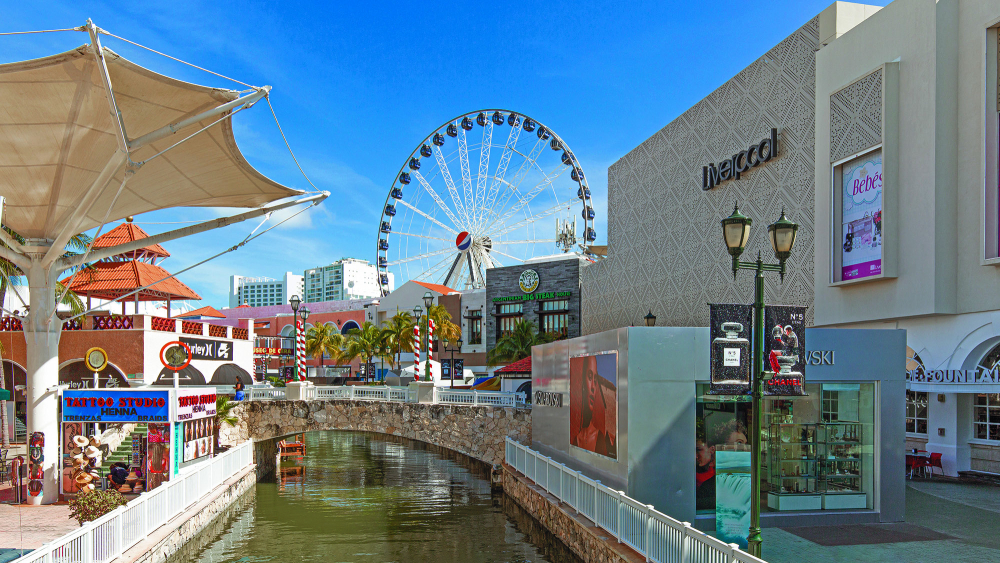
x=416 y=351
x=300 y=347
x=430 y=339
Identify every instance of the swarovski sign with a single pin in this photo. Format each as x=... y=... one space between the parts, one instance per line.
x=740 y=162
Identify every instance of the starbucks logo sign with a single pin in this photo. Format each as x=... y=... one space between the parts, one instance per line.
x=528 y=281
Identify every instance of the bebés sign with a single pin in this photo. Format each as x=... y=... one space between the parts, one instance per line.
x=740 y=162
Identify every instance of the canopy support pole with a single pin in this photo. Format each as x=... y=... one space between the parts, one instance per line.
x=95 y=45
x=168 y=130
x=110 y=251
x=41 y=338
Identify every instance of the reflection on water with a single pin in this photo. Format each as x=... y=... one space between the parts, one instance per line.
x=370 y=498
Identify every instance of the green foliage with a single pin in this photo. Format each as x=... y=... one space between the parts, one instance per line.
x=223 y=411
x=366 y=343
x=91 y=506
x=398 y=335
x=517 y=344
x=324 y=339
x=276 y=381
x=444 y=329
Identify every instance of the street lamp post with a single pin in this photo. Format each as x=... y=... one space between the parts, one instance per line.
x=304 y=313
x=295 y=302
x=735 y=232
x=428 y=301
x=418 y=313
x=453 y=350
x=650 y=318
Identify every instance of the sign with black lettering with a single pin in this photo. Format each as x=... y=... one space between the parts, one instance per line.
x=548 y=399
x=218 y=350
x=740 y=162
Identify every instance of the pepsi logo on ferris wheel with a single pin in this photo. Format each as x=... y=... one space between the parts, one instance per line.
x=482 y=191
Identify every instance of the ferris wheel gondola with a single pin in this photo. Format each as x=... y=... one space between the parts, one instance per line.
x=449 y=228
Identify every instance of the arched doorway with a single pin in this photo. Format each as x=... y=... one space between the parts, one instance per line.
x=77 y=375
x=228 y=374
x=187 y=376
x=348 y=326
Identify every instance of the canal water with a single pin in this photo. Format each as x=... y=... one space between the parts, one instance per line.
x=363 y=498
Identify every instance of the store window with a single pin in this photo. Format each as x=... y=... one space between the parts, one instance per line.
x=510 y=308
x=476 y=331
x=857 y=215
x=556 y=323
x=818 y=451
x=986 y=417
x=916 y=412
x=557 y=305
x=505 y=325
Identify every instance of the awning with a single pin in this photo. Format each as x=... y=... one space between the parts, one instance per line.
x=187 y=376
x=228 y=374
x=5 y=395
x=57 y=135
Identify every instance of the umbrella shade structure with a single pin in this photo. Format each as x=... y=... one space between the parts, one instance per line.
x=111 y=280
x=228 y=374
x=58 y=139
x=5 y=395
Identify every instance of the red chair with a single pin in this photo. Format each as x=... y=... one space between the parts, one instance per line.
x=934 y=461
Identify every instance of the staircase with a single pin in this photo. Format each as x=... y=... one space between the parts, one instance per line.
x=123 y=452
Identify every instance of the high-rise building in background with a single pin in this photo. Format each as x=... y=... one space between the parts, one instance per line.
x=262 y=292
x=348 y=278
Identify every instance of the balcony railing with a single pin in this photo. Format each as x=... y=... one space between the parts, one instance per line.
x=162 y=324
x=113 y=322
x=217 y=331
x=188 y=327
x=136 y=322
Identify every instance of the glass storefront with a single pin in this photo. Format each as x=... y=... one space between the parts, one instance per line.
x=818 y=450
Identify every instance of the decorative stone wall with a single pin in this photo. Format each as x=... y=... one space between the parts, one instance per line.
x=477 y=432
x=587 y=541
x=163 y=543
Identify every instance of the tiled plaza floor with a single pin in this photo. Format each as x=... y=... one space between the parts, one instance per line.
x=967 y=513
x=23 y=526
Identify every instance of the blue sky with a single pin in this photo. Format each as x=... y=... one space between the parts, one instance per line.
x=358 y=85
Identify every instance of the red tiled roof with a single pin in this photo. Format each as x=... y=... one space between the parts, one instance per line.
x=128 y=232
x=442 y=289
x=520 y=366
x=110 y=280
x=207 y=311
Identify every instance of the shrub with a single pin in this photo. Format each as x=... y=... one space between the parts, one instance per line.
x=93 y=505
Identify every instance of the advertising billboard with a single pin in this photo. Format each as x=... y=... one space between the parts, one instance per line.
x=730 y=359
x=106 y=405
x=861 y=217
x=785 y=349
x=593 y=403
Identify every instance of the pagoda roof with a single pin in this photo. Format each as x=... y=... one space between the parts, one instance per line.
x=206 y=311
x=111 y=280
x=130 y=232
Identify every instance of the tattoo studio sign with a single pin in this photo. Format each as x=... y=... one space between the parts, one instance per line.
x=740 y=162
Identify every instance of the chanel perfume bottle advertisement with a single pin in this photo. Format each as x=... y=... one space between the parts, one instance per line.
x=731 y=359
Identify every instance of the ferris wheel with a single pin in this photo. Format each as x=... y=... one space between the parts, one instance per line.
x=453 y=211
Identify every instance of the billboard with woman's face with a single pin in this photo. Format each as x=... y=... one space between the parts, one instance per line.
x=593 y=403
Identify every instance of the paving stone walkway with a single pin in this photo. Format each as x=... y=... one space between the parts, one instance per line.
x=968 y=513
x=28 y=527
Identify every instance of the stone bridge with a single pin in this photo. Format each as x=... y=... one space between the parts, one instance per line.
x=475 y=431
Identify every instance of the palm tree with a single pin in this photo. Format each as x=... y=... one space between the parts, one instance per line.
x=398 y=331
x=223 y=415
x=366 y=342
x=324 y=340
x=444 y=329
x=516 y=345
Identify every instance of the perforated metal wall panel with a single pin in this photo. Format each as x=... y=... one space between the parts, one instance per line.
x=856 y=117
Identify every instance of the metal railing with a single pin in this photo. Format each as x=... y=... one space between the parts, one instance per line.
x=394 y=394
x=265 y=393
x=656 y=536
x=111 y=535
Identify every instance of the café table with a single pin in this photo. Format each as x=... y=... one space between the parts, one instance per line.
x=917 y=460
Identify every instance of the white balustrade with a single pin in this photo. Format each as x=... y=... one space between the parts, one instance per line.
x=106 y=538
x=656 y=536
x=441 y=395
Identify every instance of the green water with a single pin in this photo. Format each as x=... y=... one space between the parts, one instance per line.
x=369 y=498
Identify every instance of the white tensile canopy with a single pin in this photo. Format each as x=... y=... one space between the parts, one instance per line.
x=57 y=135
x=88 y=137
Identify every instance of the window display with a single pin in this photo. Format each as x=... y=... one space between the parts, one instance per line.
x=818 y=449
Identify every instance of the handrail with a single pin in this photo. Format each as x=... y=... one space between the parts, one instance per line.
x=656 y=536
x=393 y=394
x=106 y=538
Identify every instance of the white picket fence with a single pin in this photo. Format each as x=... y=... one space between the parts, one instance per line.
x=108 y=537
x=655 y=535
x=441 y=395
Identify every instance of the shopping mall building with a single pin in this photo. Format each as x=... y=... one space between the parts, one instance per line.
x=876 y=130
